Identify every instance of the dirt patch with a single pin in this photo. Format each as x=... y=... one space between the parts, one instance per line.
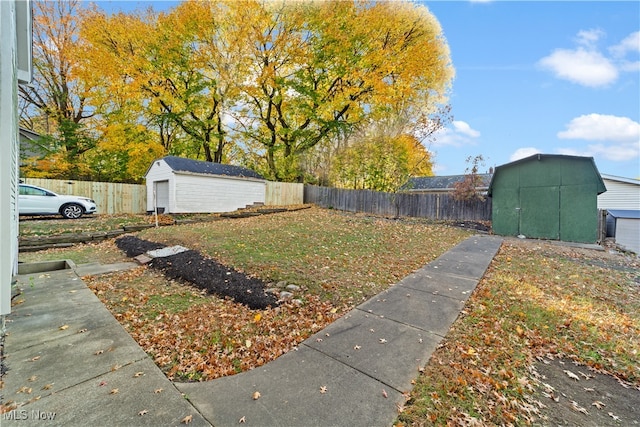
x=204 y=273
x=576 y=395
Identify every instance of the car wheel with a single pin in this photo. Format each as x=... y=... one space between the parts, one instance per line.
x=72 y=211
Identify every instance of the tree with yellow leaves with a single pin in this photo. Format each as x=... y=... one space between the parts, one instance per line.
x=58 y=103
x=322 y=68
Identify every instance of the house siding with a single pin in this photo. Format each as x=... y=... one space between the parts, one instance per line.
x=9 y=145
x=620 y=195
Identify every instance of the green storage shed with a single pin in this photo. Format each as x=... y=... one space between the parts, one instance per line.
x=547 y=196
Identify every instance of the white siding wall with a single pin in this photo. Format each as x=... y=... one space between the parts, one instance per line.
x=628 y=233
x=159 y=171
x=200 y=193
x=619 y=195
x=9 y=148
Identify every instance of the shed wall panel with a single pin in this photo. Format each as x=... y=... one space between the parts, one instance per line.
x=195 y=193
x=159 y=171
x=628 y=233
x=505 y=211
x=540 y=212
x=578 y=213
x=539 y=173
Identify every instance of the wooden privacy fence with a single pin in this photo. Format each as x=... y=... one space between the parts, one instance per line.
x=116 y=198
x=284 y=193
x=110 y=197
x=433 y=206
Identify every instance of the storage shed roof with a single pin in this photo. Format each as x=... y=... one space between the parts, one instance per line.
x=620 y=179
x=621 y=213
x=181 y=164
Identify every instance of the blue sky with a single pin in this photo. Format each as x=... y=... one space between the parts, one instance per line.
x=540 y=76
x=551 y=77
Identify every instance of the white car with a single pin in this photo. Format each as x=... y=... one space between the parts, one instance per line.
x=34 y=200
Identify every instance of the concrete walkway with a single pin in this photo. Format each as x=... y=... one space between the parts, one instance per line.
x=66 y=354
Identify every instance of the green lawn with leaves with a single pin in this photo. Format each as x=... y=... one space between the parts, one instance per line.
x=536 y=300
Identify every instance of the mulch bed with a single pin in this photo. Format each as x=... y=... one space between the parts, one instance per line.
x=204 y=273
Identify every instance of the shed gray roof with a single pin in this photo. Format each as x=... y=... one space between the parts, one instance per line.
x=181 y=164
x=621 y=213
x=443 y=183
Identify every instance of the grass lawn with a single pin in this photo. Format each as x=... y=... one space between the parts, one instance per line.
x=537 y=300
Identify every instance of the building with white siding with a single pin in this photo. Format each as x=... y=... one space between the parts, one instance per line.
x=622 y=203
x=179 y=185
x=15 y=68
x=622 y=193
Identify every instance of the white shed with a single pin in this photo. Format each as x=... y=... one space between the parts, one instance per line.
x=179 y=185
x=625 y=227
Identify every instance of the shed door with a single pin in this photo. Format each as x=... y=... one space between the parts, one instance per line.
x=162 y=196
x=579 y=213
x=540 y=212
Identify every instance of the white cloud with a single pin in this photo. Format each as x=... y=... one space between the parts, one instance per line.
x=631 y=43
x=587 y=65
x=582 y=66
x=602 y=127
x=460 y=134
x=621 y=137
x=521 y=153
x=465 y=129
x=616 y=153
x=589 y=38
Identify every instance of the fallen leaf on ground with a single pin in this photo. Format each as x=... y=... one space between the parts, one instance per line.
x=187 y=419
x=158 y=390
x=143 y=412
x=138 y=374
x=114 y=391
x=256 y=395
x=33 y=378
x=323 y=389
x=598 y=404
x=47 y=386
x=571 y=375
x=384 y=393
x=33 y=359
x=64 y=327
x=578 y=408
x=242 y=420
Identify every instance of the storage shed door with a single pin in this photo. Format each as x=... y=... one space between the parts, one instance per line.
x=162 y=196
x=540 y=212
